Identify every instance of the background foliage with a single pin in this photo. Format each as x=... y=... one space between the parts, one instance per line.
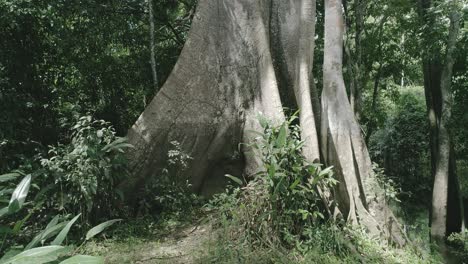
x=62 y=57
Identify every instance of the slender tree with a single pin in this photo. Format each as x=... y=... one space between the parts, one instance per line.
x=357 y=82
x=152 y=44
x=446 y=211
x=446 y=216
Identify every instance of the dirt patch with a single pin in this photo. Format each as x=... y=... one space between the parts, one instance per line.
x=181 y=247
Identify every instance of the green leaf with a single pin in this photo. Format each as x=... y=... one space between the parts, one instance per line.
x=82 y=259
x=295 y=183
x=99 y=228
x=21 y=191
x=63 y=234
x=118 y=143
x=263 y=121
x=319 y=214
x=281 y=140
x=43 y=191
x=10 y=253
x=4 y=192
x=120 y=194
x=294 y=116
x=46 y=234
x=20 y=223
x=327 y=171
x=9 y=176
x=272 y=170
x=304 y=213
x=5 y=230
x=279 y=186
x=38 y=255
x=315 y=180
x=125 y=145
x=53 y=222
x=235 y=179
x=50 y=232
x=255 y=133
x=312 y=169
x=3 y=211
x=14 y=206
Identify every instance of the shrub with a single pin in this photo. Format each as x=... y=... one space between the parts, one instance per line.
x=283 y=198
x=390 y=189
x=84 y=172
x=281 y=201
x=459 y=242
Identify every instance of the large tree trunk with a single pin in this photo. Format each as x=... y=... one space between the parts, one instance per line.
x=224 y=77
x=360 y=197
x=237 y=55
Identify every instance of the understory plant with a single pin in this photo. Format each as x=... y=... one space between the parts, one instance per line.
x=287 y=186
x=282 y=200
x=72 y=186
x=388 y=185
x=459 y=243
x=85 y=171
x=48 y=245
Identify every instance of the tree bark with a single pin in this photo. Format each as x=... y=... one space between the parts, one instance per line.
x=375 y=94
x=359 y=195
x=446 y=216
x=152 y=45
x=446 y=210
x=293 y=35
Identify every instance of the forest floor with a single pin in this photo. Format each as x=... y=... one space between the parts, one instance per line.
x=181 y=247
x=191 y=237
x=182 y=240
x=175 y=242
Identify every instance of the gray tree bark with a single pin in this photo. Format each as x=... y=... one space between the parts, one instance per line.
x=443 y=220
x=446 y=210
x=375 y=94
x=293 y=32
